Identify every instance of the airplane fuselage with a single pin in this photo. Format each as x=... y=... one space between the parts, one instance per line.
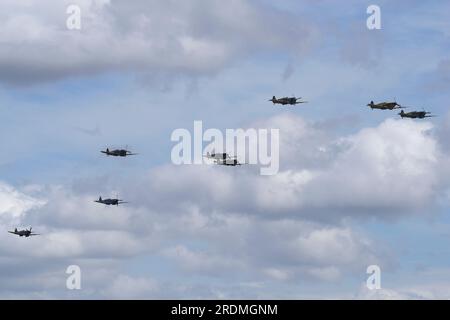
x=116 y=153
x=229 y=162
x=22 y=233
x=414 y=114
x=109 y=202
x=218 y=156
x=384 y=105
x=285 y=101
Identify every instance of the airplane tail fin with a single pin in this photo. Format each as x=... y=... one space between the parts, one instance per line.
x=15 y=229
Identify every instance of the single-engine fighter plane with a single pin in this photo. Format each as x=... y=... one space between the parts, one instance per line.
x=287 y=100
x=118 y=152
x=218 y=156
x=24 y=233
x=385 y=105
x=110 y=202
x=223 y=159
x=228 y=162
x=416 y=114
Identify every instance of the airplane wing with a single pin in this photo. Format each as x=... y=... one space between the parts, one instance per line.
x=34 y=234
x=132 y=154
x=12 y=232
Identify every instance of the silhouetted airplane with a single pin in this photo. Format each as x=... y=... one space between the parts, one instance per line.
x=385 y=105
x=286 y=100
x=24 y=233
x=118 y=152
x=416 y=114
x=109 y=202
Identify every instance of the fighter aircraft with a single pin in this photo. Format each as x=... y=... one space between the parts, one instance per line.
x=228 y=162
x=286 y=100
x=218 y=156
x=385 y=105
x=118 y=152
x=24 y=233
x=416 y=114
x=109 y=202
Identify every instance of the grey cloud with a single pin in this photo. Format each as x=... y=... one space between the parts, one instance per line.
x=190 y=38
x=210 y=220
x=270 y=250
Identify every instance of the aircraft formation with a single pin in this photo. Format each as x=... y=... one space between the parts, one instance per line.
x=224 y=159
x=403 y=114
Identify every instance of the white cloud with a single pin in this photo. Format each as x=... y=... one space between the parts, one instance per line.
x=383 y=171
x=230 y=224
x=140 y=36
x=392 y=166
x=15 y=204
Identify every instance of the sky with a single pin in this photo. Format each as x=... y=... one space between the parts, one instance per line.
x=356 y=187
